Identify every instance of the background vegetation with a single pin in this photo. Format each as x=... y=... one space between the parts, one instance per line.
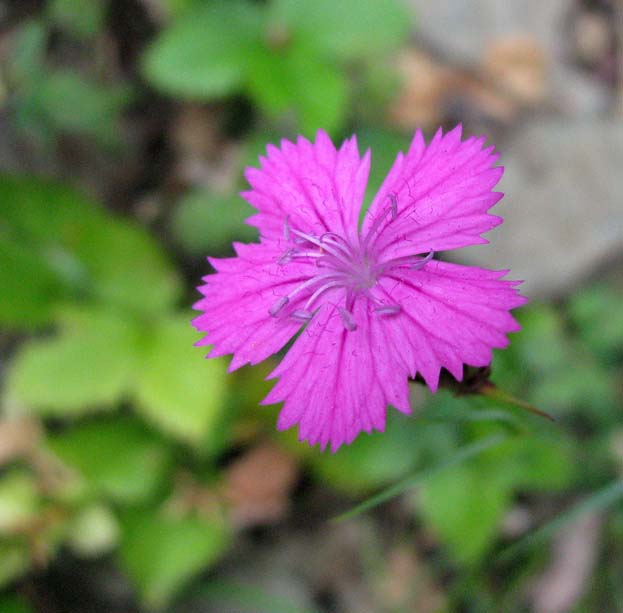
x=136 y=476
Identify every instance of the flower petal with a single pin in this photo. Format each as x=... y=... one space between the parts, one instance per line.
x=237 y=300
x=337 y=383
x=313 y=186
x=451 y=315
x=440 y=194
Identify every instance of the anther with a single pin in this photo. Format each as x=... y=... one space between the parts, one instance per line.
x=421 y=263
x=286 y=228
x=380 y=218
x=387 y=309
x=276 y=308
x=286 y=257
x=393 y=204
x=301 y=315
x=347 y=319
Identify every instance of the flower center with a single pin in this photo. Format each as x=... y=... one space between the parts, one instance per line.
x=353 y=267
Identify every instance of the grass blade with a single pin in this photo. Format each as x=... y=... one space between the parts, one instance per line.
x=598 y=501
x=462 y=455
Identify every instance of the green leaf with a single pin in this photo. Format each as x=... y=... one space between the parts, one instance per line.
x=93 y=254
x=589 y=389
x=36 y=269
x=464 y=507
x=93 y=111
x=347 y=29
x=28 y=54
x=457 y=457
x=44 y=212
x=597 y=313
x=204 y=222
x=160 y=553
x=30 y=287
x=93 y=532
x=128 y=268
x=176 y=389
x=175 y=8
x=542 y=345
x=19 y=500
x=380 y=458
x=204 y=53
x=84 y=18
x=14 y=561
x=535 y=462
x=297 y=81
x=14 y=604
x=87 y=367
x=118 y=457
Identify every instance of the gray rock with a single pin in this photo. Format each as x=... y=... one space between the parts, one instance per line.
x=462 y=28
x=575 y=93
x=563 y=208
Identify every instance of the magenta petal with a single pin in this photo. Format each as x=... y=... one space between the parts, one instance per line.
x=237 y=300
x=376 y=306
x=312 y=185
x=337 y=383
x=441 y=193
x=451 y=315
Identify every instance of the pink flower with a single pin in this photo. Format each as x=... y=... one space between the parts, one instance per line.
x=372 y=306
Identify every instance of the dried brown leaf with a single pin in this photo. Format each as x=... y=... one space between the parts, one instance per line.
x=257 y=485
x=517 y=65
x=18 y=437
x=425 y=84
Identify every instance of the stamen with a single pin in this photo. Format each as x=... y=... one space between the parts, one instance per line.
x=286 y=228
x=375 y=226
x=325 y=261
x=405 y=261
x=346 y=255
x=388 y=309
x=301 y=315
x=307 y=254
x=347 y=319
x=321 y=245
x=393 y=209
x=286 y=257
x=338 y=241
x=335 y=236
x=393 y=203
x=339 y=265
x=352 y=268
x=276 y=308
x=421 y=263
x=321 y=290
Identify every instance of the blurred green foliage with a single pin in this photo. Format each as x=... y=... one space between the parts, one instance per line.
x=110 y=293
x=81 y=18
x=47 y=100
x=288 y=56
x=159 y=552
x=204 y=220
